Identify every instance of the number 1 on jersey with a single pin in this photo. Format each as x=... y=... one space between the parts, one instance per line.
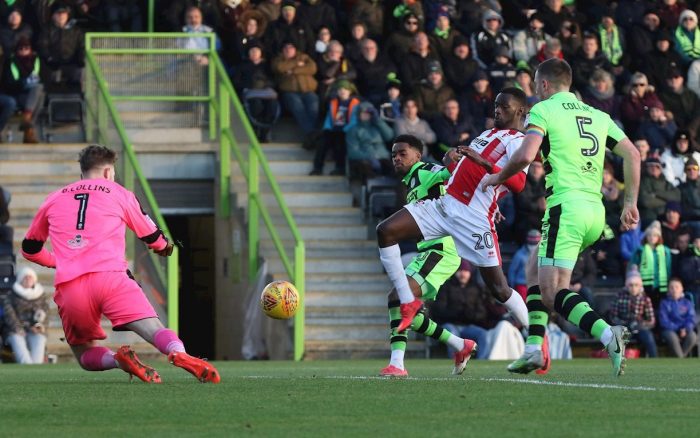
x=581 y=121
x=82 y=208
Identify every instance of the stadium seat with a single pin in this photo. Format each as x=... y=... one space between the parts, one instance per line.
x=64 y=109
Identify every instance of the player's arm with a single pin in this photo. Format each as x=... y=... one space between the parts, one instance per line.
x=520 y=159
x=631 y=168
x=33 y=243
x=146 y=230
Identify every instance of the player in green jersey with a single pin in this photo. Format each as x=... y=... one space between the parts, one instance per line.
x=573 y=137
x=436 y=262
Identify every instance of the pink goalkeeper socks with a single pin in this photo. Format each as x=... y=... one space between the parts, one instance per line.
x=167 y=341
x=98 y=359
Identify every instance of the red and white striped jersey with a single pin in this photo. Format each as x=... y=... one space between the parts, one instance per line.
x=496 y=146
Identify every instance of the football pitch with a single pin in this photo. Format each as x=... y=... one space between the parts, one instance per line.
x=345 y=398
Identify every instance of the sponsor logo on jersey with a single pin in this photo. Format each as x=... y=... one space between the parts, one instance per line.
x=588 y=168
x=77 y=242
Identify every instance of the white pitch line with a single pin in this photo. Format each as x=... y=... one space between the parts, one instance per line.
x=495 y=379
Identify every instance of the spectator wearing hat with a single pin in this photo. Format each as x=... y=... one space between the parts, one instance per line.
x=341 y=116
x=633 y=309
x=415 y=67
x=682 y=103
x=479 y=100
x=600 y=93
x=657 y=128
x=677 y=320
x=517 y=270
x=20 y=81
x=570 y=37
x=400 y=42
x=653 y=261
x=24 y=319
x=288 y=27
x=61 y=47
x=587 y=60
x=485 y=42
x=660 y=62
x=390 y=109
x=466 y=309
x=687 y=36
x=333 y=66
x=294 y=73
x=368 y=155
x=671 y=224
x=371 y=13
x=636 y=103
x=527 y=42
x=460 y=66
x=433 y=93
x=453 y=127
x=404 y=8
x=613 y=44
x=443 y=36
x=411 y=123
x=15 y=29
x=644 y=34
x=654 y=191
x=673 y=158
x=271 y=9
x=501 y=72
x=373 y=69
x=253 y=81
x=317 y=14
x=690 y=193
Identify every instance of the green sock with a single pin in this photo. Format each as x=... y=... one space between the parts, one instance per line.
x=397 y=339
x=538 y=315
x=577 y=311
x=424 y=325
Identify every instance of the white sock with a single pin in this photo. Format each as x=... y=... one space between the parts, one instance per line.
x=518 y=308
x=531 y=348
x=397 y=358
x=606 y=337
x=455 y=342
x=391 y=259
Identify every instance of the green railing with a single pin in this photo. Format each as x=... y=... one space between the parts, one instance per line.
x=166 y=76
x=159 y=276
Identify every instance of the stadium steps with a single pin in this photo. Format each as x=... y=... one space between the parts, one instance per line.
x=346 y=287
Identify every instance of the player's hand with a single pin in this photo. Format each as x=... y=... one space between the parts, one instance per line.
x=493 y=179
x=629 y=217
x=453 y=155
x=165 y=252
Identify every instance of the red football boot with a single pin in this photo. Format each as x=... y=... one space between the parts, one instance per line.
x=130 y=363
x=200 y=368
x=408 y=312
x=463 y=356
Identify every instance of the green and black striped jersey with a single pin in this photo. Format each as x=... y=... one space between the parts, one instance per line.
x=425 y=181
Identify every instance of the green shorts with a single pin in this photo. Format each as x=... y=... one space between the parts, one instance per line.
x=568 y=229
x=436 y=262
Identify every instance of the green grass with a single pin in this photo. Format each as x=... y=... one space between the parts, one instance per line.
x=331 y=398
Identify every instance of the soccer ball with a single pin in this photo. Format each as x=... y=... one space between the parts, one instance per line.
x=279 y=300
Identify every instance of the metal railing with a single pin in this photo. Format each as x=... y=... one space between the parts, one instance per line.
x=159 y=277
x=165 y=76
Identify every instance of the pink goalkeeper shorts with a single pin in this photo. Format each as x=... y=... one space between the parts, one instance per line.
x=82 y=302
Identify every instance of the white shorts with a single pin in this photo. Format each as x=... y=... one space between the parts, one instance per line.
x=474 y=234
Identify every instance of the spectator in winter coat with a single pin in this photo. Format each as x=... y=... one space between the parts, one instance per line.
x=317 y=14
x=353 y=47
x=527 y=42
x=553 y=14
x=630 y=241
x=634 y=310
x=659 y=63
x=460 y=66
x=371 y=13
x=443 y=36
x=368 y=154
x=400 y=43
x=333 y=66
x=570 y=37
x=653 y=261
x=643 y=35
x=690 y=193
x=15 y=29
x=636 y=103
x=677 y=320
x=20 y=81
x=454 y=127
x=288 y=27
x=479 y=101
x=517 y=269
x=682 y=103
x=416 y=66
x=24 y=319
x=689 y=266
x=410 y=123
x=654 y=192
x=62 y=49
x=530 y=203
x=658 y=129
x=587 y=60
x=671 y=224
x=673 y=159
x=433 y=93
x=687 y=36
x=613 y=44
x=271 y=9
x=501 y=72
x=600 y=94
x=485 y=42
x=372 y=72
x=294 y=72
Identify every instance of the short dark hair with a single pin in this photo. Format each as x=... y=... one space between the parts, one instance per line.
x=517 y=94
x=411 y=140
x=94 y=156
x=557 y=71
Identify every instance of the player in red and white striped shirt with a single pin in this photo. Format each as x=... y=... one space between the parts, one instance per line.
x=465 y=212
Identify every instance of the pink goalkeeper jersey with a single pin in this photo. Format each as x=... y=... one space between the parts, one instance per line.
x=86 y=223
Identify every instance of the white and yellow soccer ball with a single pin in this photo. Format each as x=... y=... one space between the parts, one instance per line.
x=280 y=300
